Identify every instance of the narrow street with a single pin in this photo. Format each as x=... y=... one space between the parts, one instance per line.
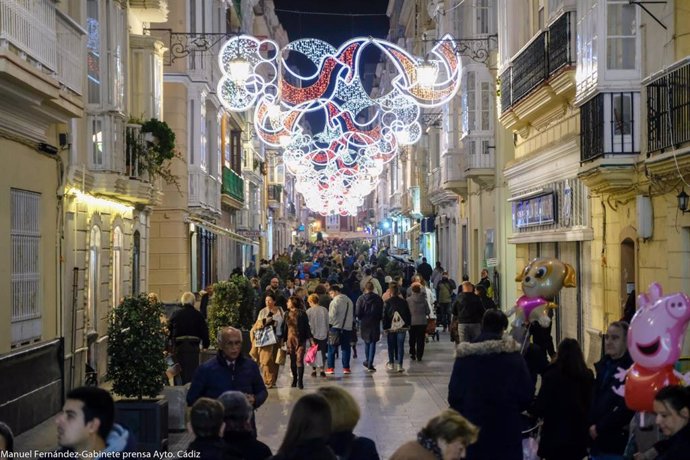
x=394 y=406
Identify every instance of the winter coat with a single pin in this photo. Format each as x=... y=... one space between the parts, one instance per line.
x=412 y=451
x=348 y=446
x=445 y=289
x=490 y=385
x=209 y=448
x=243 y=444
x=677 y=447
x=312 y=449
x=341 y=312
x=425 y=270
x=609 y=412
x=369 y=311
x=390 y=307
x=188 y=321
x=215 y=377
x=563 y=402
x=419 y=308
x=119 y=439
x=468 y=308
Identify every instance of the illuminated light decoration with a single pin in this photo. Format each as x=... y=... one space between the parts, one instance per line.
x=337 y=167
x=98 y=202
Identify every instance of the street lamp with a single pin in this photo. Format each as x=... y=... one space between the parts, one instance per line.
x=427 y=73
x=683 y=201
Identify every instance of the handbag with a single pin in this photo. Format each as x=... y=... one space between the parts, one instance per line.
x=334 y=337
x=281 y=356
x=310 y=355
x=264 y=337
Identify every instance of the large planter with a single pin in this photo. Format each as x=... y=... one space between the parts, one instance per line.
x=147 y=419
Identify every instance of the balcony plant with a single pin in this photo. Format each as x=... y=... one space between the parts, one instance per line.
x=136 y=366
x=232 y=304
x=158 y=150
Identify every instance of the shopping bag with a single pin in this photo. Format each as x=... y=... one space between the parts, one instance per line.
x=264 y=337
x=281 y=356
x=310 y=355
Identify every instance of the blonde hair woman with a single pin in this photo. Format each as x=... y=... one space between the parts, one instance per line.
x=445 y=437
x=344 y=417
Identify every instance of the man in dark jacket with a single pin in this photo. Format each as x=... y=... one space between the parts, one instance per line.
x=425 y=270
x=490 y=385
x=487 y=302
x=230 y=370
x=238 y=428
x=609 y=416
x=369 y=311
x=188 y=321
x=468 y=310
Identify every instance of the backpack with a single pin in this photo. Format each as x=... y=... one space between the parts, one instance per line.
x=397 y=322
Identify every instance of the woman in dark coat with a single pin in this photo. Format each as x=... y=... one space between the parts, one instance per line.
x=369 y=311
x=298 y=332
x=563 y=402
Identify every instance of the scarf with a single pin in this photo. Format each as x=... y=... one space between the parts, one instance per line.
x=430 y=445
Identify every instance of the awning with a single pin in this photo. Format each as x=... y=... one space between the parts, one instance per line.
x=222 y=231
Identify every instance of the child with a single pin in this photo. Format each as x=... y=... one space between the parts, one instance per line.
x=206 y=423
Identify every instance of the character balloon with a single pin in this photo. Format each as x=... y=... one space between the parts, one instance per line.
x=655 y=339
x=542 y=280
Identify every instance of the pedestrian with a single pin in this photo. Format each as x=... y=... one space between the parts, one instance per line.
x=188 y=329
x=206 y=424
x=238 y=434
x=491 y=386
x=229 y=370
x=484 y=281
x=369 y=311
x=206 y=295
x=487 y=302
x=425 y=270
x=86 y=424
x=318 y=324
x=563 y=403
x=270 y=316
x=419 y=312
x=340 y=317
x=436 y=275
x=396 y=322
x=298 y=333
x=672 y=407
x=468 y=310
x=6 y=439
x=609 y=417
x=444 y=437
x=444 y=295
x=344 y=417
x=308 y=430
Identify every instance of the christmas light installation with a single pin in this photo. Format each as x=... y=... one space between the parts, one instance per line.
x=338 y=166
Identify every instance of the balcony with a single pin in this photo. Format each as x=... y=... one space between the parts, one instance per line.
x=609 y=141
x=453 y=178
x=204 y=193
x=668 y=120
x=232 y=190
x=275 y=196
x=396 y=204
x=41 y=53
x=540 y=78
x=479 y=161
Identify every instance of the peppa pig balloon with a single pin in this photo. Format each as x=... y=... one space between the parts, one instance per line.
x=542 y=280
x=655 y=340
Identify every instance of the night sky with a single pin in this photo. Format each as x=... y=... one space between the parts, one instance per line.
x=333 y=29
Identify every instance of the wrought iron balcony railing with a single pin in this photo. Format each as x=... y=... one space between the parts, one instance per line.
x=668 y=109
x=608 y=125
x=549 y=52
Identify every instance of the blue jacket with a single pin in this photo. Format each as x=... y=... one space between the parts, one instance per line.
x=215 y=377
x=491 y=386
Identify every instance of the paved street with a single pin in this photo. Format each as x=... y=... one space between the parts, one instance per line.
x=394 y=406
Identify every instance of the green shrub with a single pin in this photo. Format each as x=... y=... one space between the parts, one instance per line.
x=136 y=342
x=232 y=304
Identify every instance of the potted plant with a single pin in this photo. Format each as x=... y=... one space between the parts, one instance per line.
x=232 y=304
x=157 y=150
x=136 y=367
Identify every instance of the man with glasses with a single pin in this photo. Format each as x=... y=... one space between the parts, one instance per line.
x=609 y=417
x=229 y=371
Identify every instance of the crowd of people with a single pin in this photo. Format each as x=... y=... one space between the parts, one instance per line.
x=501 y=391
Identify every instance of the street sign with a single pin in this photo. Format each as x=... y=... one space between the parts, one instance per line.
x=492 y=262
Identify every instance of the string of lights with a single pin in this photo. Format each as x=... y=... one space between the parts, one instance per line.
x=337 y=167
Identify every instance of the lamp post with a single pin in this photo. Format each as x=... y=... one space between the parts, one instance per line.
x=682 y=201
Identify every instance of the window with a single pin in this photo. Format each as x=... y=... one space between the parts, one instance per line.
x=136 y=262
x=621 y=39
x=105 y=27
x=236 y=150
x=482 y=15
x=26 y=262
x=94 y=279
x=117 y=265
x=477 y=104
x=485 y=106
x=203 y=153
x=96 y=142
x=622 y=114
x=192 y=134
x=471 y=103
x=587 y=43
x=93 y=48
